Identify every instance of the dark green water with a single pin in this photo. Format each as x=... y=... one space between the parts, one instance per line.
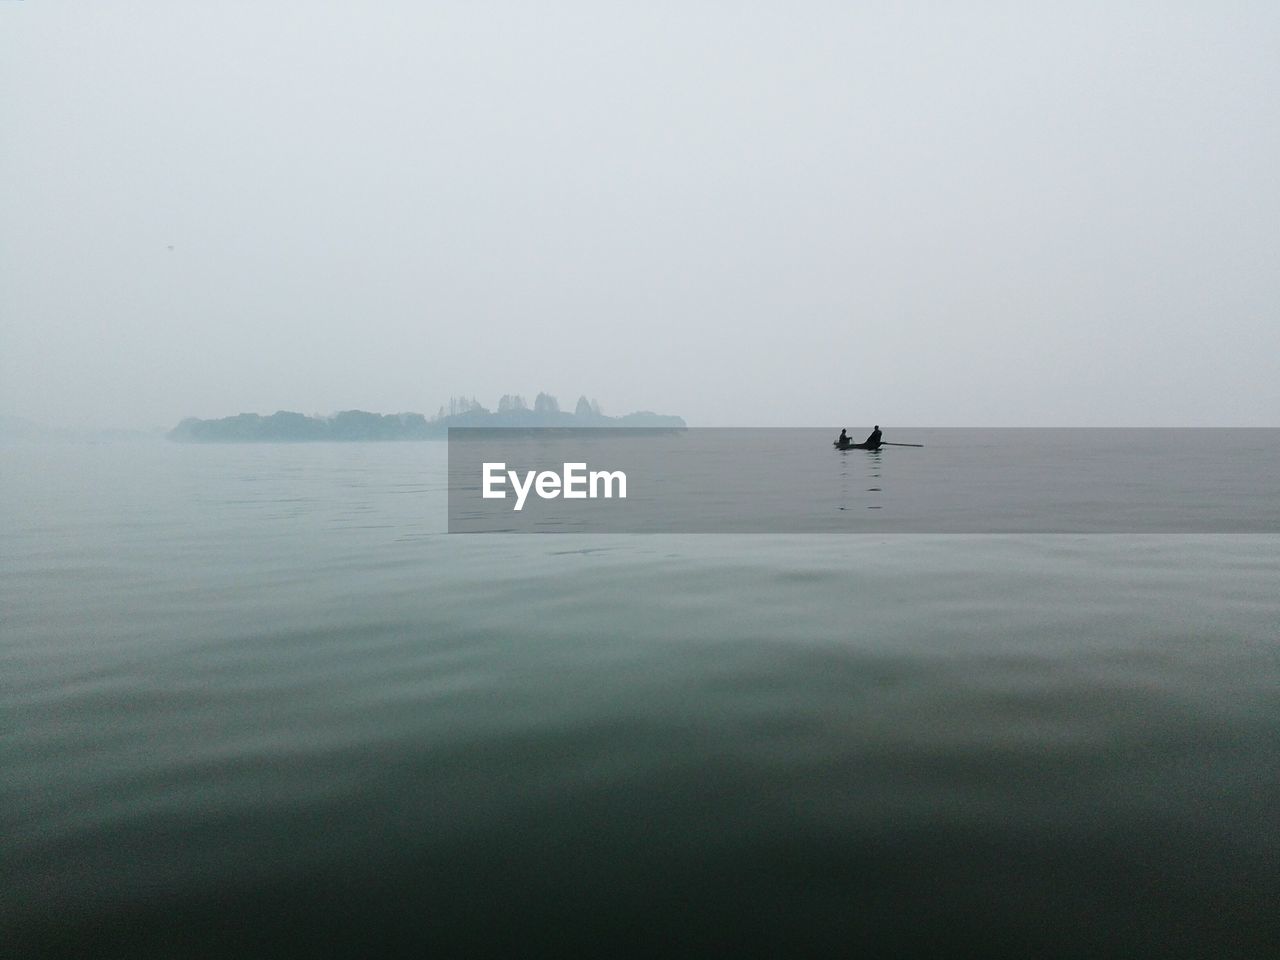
x=256 y=704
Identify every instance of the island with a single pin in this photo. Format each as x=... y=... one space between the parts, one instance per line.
x=358 y=425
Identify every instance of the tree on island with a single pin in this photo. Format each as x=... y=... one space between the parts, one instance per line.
x=587 y=408
x=546 y=403
x=510 y=403
x=460 y=405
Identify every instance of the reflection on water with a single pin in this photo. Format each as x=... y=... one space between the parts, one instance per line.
x=858 y=467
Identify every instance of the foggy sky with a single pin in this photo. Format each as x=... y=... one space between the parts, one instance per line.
x=744 y=213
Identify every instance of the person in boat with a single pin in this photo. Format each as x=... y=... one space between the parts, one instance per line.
x=873 y=441
x=844 y=437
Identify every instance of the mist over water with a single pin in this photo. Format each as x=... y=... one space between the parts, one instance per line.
x=258 y=704
x=743 y=214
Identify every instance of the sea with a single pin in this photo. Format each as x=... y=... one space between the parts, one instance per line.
x=255 y=701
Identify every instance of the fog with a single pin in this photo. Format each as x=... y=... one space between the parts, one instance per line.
x=745 y=214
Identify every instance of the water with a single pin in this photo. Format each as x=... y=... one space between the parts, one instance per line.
x=256 y=704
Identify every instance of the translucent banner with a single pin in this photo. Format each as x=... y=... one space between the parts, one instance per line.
x=915 y=481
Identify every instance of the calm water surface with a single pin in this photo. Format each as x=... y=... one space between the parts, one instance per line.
x=256 y=703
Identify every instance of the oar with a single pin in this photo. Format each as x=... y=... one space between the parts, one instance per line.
x=886 y=443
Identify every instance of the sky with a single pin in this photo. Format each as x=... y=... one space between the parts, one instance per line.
x=748 y=214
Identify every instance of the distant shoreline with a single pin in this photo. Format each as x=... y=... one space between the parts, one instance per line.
x=358 y=425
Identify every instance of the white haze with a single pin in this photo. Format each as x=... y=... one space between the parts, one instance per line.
x=744 y=213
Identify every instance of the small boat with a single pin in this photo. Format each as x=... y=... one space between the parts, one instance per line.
x=853 y=446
